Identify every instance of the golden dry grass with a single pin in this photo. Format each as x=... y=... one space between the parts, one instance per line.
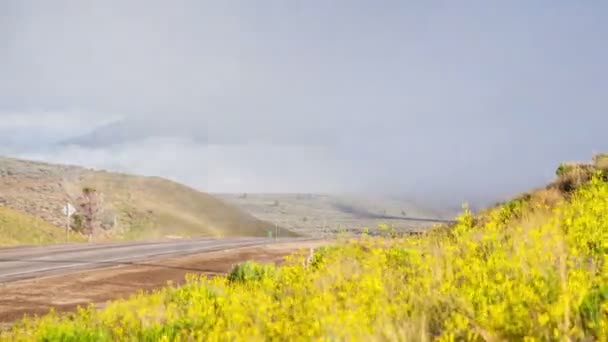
x=17 y=228
x=151 y=207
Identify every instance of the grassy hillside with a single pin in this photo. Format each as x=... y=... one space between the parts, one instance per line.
x=21 y=229
x=150 y=207
x=133 y=207
x=537 y=205
x=533 y=269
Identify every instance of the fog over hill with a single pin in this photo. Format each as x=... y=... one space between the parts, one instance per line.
x=441 y=103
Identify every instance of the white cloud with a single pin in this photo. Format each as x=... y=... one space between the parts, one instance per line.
x=66 y=122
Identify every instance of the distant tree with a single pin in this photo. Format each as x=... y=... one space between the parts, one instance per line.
x=89 y=210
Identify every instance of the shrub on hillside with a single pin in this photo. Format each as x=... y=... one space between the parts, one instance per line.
x=563 y=168
x=319 y=256
x=513 y=209
x=572 y=176
x=601 y=162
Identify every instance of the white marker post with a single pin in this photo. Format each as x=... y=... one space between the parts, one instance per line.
x=276 y=230
x=68 y=211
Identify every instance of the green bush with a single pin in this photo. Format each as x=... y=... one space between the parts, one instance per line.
x=77 y=224
x=591 y=309
x=251 y=271
x=564 y=168
x=320 y=256
x=512 y=210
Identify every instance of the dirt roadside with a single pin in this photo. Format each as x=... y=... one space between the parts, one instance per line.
x=66 y=292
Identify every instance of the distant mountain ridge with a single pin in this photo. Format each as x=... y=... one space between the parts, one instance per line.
x=327 y=214
x=126 y=131
x=212 y=131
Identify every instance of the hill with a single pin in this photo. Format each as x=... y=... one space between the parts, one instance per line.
x=133 y=207
x=326 y=214
x=537 y=205
x=17 y=228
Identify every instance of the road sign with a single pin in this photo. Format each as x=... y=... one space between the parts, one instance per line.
x=69 y=210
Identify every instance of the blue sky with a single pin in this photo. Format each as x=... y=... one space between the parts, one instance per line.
x=441 y=100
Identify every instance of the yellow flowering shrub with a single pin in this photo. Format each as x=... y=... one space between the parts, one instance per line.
x=501 y=278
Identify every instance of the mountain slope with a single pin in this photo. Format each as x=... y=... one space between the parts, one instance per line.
x=133 y=207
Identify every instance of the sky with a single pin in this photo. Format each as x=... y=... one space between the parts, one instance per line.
x=441 y=101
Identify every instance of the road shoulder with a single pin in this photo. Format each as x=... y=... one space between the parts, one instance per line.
x=66 y=292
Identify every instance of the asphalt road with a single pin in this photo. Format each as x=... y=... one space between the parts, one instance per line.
x=34 y=261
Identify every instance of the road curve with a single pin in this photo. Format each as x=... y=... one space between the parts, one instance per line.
x=33 y=261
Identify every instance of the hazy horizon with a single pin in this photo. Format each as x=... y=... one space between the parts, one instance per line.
x=436 y=101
